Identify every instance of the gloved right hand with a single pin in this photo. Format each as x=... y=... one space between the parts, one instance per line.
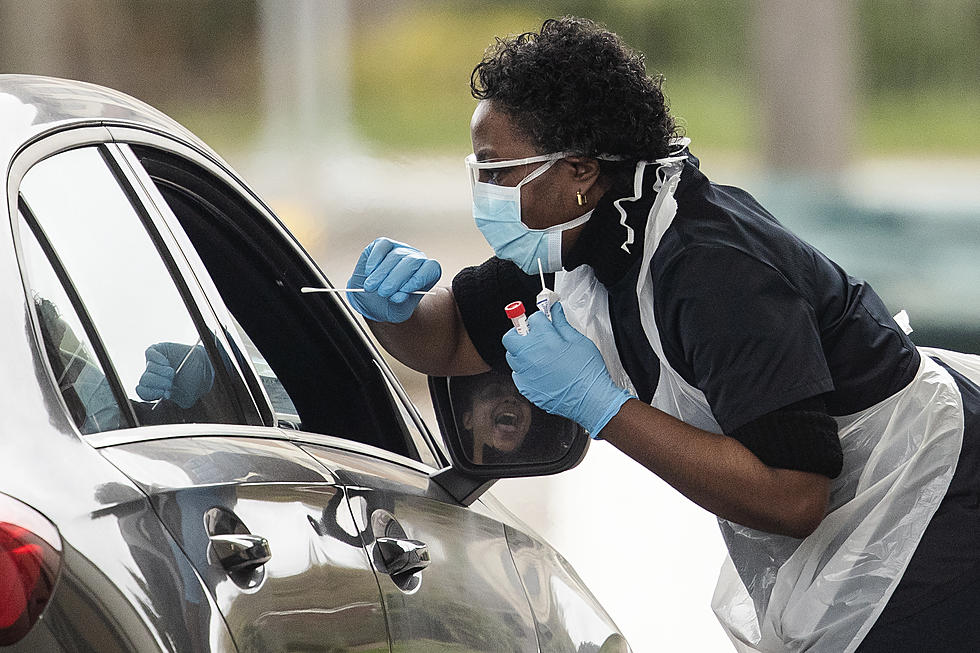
x=389 y=271
x=560 y=370
x=161 y=380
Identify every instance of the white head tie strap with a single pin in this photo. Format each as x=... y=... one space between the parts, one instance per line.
x=674 y=155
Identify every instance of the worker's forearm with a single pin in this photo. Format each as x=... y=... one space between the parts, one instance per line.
x=433 y=340
x=719 y=473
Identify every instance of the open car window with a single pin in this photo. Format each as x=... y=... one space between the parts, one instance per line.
x=318 y=374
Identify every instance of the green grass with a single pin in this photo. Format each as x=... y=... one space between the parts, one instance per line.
x=225 y=128
x=411 y=92
x=412 y=72
x=410 y=84
x=717 y=112
x=922 y=121
x=714 y=111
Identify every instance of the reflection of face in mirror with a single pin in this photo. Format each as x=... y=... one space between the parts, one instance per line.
x=497 y=417
x=496 y=425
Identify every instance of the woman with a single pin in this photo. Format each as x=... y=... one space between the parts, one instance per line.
x=713 y=346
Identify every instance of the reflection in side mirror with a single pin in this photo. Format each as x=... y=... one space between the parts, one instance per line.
x=497 y=425
x=492 y=431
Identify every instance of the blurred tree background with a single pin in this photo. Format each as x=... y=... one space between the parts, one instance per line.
x=915 y=85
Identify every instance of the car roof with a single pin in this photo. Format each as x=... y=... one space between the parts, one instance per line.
x=32 y=106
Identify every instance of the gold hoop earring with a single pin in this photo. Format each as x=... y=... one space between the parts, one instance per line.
x=582 y=199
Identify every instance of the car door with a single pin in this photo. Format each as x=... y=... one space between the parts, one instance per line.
x=267 y=529
x=271 y=535
x=469 y=593
x=445 y=571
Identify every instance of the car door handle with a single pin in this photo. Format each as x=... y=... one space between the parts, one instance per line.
x=403 y=556
x=240 y=551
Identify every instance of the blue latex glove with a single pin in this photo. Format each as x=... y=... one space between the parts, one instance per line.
x=389 y=271
x=162 y=381
x=560 y=370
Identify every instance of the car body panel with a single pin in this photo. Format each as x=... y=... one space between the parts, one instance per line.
x=470 y=594
x=125 y=585
x=318 y=590
x=566 y=615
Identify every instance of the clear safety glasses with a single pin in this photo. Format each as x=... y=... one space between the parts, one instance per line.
x=482 y=171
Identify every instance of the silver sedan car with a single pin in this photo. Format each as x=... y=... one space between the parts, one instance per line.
x=196 y=455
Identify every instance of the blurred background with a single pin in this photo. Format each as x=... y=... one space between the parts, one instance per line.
x=856 y=122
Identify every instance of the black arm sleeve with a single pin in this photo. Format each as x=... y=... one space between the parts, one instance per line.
x=801 y=436
x=481 y=292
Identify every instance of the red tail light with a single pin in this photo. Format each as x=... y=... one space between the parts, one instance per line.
x=30 y=556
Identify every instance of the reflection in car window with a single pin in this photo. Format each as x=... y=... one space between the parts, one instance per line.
x=126 y=290
x=77 y=371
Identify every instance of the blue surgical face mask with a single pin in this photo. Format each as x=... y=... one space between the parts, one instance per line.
x=497 y=211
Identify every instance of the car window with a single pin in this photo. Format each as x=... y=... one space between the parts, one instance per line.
x=318 y=373
x=78 y=372
x=168 y=370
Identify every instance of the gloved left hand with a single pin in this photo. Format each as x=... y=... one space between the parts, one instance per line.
x=560 y=370
x=389 y=272
x=161 y=380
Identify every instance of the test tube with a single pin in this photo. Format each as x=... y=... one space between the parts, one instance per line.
x=515 y=311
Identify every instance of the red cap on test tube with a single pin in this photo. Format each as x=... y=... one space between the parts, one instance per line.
x=514 y=309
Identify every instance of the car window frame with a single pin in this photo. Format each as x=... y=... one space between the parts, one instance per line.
x=67 y=137
x=219 y=195
x=429 y=449
x=32 y=152
x=191 y=268
x=50 y=145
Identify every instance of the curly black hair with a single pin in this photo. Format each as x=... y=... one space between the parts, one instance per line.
x=577 y=87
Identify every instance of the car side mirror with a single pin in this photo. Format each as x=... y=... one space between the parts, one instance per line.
x=493 y=432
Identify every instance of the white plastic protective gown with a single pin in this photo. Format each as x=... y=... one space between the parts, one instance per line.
x=822 y=593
